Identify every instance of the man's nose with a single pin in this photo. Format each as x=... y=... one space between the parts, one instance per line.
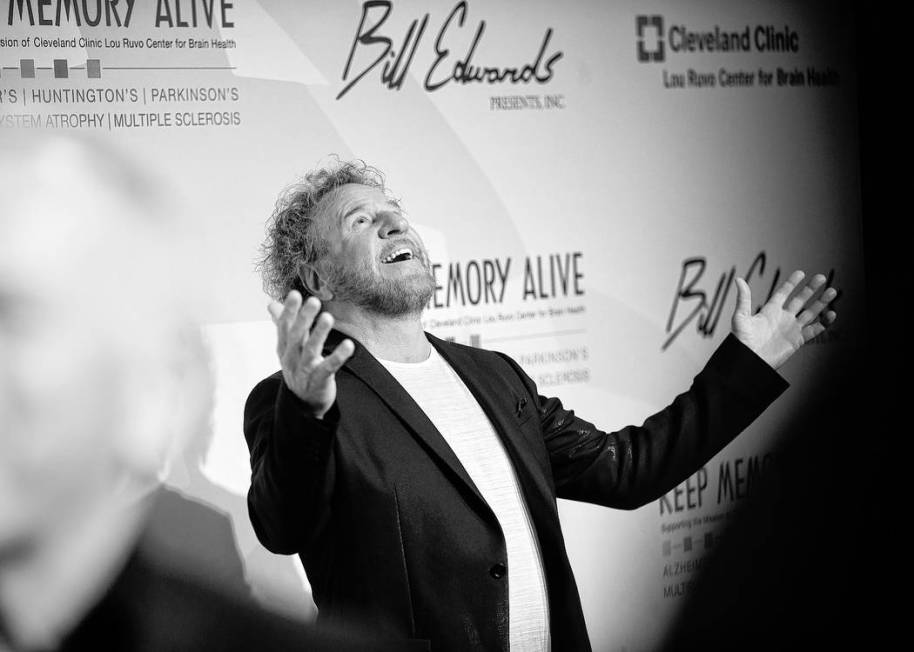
x=393 y=224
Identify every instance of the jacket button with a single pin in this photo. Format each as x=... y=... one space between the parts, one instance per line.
x=498 y=571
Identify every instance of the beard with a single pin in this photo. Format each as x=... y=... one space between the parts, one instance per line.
x=399 y=297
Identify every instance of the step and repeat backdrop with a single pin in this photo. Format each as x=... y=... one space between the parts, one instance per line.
x=589 y=177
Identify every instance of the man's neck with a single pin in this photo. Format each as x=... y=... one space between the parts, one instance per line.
x=399 y=339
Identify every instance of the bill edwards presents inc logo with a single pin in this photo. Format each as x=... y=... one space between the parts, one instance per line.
x=654 y=42
x=374 y=50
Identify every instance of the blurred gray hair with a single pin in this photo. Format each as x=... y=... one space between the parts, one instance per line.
x=86 y=195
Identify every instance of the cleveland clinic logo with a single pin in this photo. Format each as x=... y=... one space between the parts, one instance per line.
x=650 y=38
x=653 y=40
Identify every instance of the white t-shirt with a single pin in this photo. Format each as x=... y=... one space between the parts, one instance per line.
x=454 y=411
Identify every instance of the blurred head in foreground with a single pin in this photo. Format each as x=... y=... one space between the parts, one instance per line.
x=103 y=379
x=101 y=375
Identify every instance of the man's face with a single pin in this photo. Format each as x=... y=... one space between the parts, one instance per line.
x=374 y=259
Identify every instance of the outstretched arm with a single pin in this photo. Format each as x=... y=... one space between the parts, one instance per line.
x=790 y=319
x=289 y=424
x=632 y=466
x=635 y=465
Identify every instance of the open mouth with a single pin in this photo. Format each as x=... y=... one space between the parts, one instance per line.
x=398 y=256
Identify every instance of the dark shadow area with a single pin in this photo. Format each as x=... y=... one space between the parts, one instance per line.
x=812 y=562
x=803 y=563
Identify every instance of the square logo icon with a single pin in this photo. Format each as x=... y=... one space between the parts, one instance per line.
x=650 y=43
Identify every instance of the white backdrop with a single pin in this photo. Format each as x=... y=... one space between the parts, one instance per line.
x=646 y=150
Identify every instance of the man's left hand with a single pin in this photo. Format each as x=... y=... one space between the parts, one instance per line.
x=786 y=322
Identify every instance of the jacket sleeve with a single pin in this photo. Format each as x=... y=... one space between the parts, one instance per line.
x=631 y=467
x=291 y=466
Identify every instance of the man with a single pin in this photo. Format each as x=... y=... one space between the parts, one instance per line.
x=101 y=379
x=417 y=479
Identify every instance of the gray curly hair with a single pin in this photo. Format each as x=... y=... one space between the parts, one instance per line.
x=291 y=239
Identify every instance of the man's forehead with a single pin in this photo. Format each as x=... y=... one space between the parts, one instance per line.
x=343 y=200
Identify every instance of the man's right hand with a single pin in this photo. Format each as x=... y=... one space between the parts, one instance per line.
x=309 y=375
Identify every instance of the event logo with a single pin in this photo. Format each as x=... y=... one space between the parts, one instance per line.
x=653 y=39
x=111 y=13
x=704 y=308
x=485 y=281
x=47 y=13
x=646 y=26
x=706 y=312
x=374 y=49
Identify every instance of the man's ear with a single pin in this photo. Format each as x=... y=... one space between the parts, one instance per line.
x=313 y=281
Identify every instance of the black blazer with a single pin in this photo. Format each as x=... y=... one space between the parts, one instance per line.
x=393 y=533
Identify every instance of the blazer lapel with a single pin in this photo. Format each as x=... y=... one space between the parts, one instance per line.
x=372 y=373
x=497 y=407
